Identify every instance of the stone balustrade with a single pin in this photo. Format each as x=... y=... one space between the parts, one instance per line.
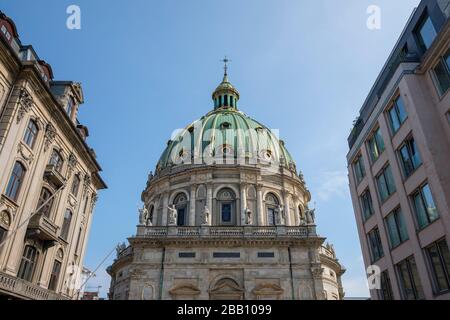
x=224 y=232
x=25 y=290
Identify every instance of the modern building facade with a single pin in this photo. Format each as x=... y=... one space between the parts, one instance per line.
x=399 y=162
x=226 y=217
x=49 y=177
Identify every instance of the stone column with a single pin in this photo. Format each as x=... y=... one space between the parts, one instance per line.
x=165 y=207
x=259 y=203
x=243 y=203
x=209 y=196
x=287 y=210
x=297 y=215
x=192 y=206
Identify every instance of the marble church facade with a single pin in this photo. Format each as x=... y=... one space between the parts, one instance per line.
x=226 y=216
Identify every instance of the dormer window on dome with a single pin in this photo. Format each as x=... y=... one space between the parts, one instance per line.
x=225 y=95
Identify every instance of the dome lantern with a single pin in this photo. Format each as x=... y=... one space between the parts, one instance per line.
x=226 y=95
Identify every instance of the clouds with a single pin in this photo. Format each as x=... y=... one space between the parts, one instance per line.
x=332 y=184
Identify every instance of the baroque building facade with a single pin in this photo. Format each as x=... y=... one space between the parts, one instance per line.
x=49 y=176
x=226 y=216
x=399 y=163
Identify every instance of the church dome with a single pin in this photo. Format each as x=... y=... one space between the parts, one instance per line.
x=225 y=135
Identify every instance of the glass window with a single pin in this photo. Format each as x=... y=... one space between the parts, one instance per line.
x=367 y=206
x=439 y=257
x=397 y=114
x=66 y=224
x=376 y=248
x=396 y=228
x=181 y=216
x=28 y=263
x=386 y=184
x=77 y=247
x=358 y=166
x=44 y=203
x=385 y=292
x=15 y=181
x=3 y=233
x=226 y=212
x=409 y=279
x=30 y=134
x=442 y=73
x=409 y=154
x=426 y=33
x=424 y=206
x=54 y=276
x=56 y=160
x=75 y=185
x=376 y=145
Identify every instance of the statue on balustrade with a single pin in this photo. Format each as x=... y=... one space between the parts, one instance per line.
x=310 y=216
x=248 y=217
x=144 y=217
x=205 y=216
x=172 y=216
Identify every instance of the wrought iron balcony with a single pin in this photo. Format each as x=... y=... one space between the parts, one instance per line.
x=42 y=228
x=255 y=232
x=22 y=289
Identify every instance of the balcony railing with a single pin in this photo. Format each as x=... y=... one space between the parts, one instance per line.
x=295 y=232
x=42 y=228
x=54 y=176
x=22 y=289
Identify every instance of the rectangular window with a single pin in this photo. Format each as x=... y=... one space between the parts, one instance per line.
x=424 y=206
x=226 y=255
x=376 y=248
x=396 y=228
x=28 y=263
x=3 y=233
x=359 y=169
x=397 y=114
x=385 y=292
x=266 y=254
x=426 y=33
x=376 y=145
x=385 y=183
x=442 y=73
x=409 y=279
x=186 y=255
x=410 y=157
x=439 y=257
x=366 y=204
x=54 y=276
x=226 y=212
x=77 y=247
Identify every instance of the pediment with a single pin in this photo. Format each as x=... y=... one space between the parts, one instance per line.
x=226 y=286
x=268 y=289
x=185 y=290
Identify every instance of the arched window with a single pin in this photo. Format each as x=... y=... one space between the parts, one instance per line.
x=15 y=181
x=31 y=134
x=150 y=215
x=226 y=200
x=56 y=160
x=66 y=224
x=44 y=203
x=54 y=276
x=28 y=263
x=180 y=203
x=272 y=205
x=75 y=185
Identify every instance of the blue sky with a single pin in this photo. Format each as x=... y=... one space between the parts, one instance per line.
x=149 y=67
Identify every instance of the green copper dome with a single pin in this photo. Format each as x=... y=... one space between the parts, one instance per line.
x=225 y=135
